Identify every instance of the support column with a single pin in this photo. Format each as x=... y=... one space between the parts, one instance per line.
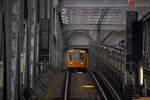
x=11 y=24
x=60 y=41
x=51 y=34
x=1 y=52
x=18 y=10
x=32 y=29
x=134 y=56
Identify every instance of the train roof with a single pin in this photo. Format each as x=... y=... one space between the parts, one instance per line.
x=76 y=50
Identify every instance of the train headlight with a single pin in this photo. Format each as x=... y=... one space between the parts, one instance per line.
x=81 y=62
x=70 y=63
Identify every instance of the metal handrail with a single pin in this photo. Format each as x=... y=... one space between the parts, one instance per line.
x=146 y=71
x=110 y=61
x=104 y=45
x=146 y=17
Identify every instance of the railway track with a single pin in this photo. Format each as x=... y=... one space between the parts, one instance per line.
x=66 y=88
x=73 y=89
x=101 y=92
x=79 y=86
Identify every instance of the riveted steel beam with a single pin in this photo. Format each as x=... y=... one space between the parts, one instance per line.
x=93 y=27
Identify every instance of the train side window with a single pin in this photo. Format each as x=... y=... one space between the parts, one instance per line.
x=81 y=56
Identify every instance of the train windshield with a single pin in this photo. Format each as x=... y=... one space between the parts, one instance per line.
x=76 y=56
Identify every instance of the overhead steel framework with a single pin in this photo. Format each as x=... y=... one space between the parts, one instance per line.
x=91 y=15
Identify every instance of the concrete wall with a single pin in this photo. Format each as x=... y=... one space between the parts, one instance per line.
x=79 y=38
x=83 y=34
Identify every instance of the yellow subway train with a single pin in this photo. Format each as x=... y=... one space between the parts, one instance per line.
x=77 y=59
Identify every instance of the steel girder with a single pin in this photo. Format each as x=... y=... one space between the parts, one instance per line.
x=91 y=15
x=12 y=33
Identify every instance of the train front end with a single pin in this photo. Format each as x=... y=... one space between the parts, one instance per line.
x=77 y=59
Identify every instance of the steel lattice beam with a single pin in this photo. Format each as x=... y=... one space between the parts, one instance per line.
x=91 y=15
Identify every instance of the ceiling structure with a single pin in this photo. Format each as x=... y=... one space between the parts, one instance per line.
x=83 y=18
x=103 y=15
x=100 y=11
x=102 y=2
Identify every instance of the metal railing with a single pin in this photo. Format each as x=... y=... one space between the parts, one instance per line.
x=146 y=52
x=146 y=80
x=146 y=32
x=111 y=62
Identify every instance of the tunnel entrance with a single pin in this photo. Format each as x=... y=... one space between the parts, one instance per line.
x=85 y=49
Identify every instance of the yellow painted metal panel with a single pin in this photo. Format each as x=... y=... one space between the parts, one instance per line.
x=142 y=98
x=77 y=63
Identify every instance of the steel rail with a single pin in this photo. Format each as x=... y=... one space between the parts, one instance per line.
x=99 y=87
x=117 y=96
x=66 y=87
